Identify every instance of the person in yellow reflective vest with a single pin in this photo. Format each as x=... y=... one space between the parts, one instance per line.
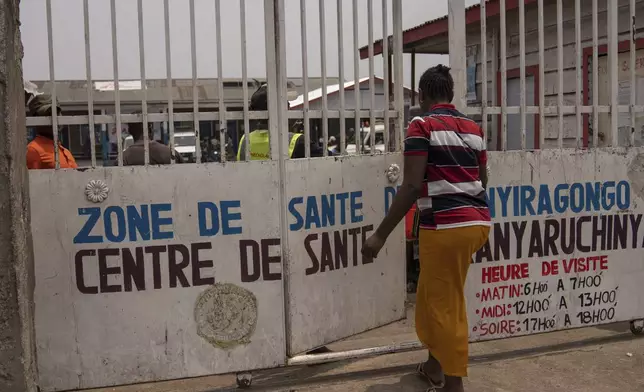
x=258 y=139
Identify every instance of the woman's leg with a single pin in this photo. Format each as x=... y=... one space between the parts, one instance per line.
x=453 y=384
x=441 y=316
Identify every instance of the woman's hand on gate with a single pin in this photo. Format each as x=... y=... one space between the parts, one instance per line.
x=372 y=246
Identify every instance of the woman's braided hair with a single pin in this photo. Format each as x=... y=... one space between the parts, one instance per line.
x=437 y=85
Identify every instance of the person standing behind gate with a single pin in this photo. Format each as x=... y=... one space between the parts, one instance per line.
x=258 y=139
x=40 y=151
x=159 y=153
x=445 y=172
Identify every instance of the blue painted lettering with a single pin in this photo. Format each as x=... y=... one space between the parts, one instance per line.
x=109 y=224
x=138 y=223
x=592 y=196
x=314 y=212
x=504 y=197
x=83 y=236
x=342 y=198
x=490 y=198
x=576 y=198
x=328 y=210
x=608 y=195
x=390 y=192
x=299 y=221
x=227 y=216
x=545 y=206
x=544 y=199
x=356 y=206
x=132 y=223
x=158 y=221
x=623 y=195
x=515 y=198
x=208 y=218
x=561 y=198
x=527 y=197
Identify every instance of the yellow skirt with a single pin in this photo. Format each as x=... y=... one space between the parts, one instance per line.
x=441 y=315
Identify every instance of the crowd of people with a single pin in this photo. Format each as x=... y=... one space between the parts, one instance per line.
x=41 y=151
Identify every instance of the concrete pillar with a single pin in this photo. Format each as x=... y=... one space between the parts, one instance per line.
x=457 y=57
x=17 y=343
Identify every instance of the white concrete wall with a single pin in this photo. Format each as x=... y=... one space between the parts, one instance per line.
x=587 y=277
x=104 y=319
x=212 y=300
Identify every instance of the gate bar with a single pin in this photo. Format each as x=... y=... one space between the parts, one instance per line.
x=356 y=78
x=578 y=86
x=325 y=106
x=117 y=92
x=343 y=121
x=613 y=69
x=633 y=81
x=542 y=77
x=195 y=90
x=385 y=70
x=305 y=77
x=168 y=69
x=277 y=104
x=504 y=81
x=595 y=78
x=315 y=359
x=144 y=87
x=52 y=78
x=484 y=81
x=372 y=82
x=399 y=91
x=223 y=125
x=90 y=85
x=244 y=60
x=560 y=76
x=457 y=54
x=522 y=87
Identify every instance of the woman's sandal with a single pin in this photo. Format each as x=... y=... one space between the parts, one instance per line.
x=433 y=385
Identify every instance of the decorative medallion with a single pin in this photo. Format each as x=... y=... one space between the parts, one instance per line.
x=393 y=173
x=226 y=315
x=96 y=191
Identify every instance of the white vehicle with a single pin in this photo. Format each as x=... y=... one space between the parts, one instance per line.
x=365 y=137
x=184 y=144
x=127 y=142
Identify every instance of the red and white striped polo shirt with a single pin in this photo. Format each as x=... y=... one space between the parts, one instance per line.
x=453 y=195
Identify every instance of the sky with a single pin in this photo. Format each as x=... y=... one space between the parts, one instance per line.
x=69 y=41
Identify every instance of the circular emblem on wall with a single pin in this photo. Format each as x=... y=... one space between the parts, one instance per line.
x=393 y=173
x=226 y=315
x=96 y=191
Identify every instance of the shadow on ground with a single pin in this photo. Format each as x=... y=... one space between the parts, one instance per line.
x=407 y=383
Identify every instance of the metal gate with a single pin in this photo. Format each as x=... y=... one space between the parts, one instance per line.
x=556 y=86
x=147 y=273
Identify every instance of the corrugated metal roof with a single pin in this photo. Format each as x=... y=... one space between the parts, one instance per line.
x=316 y=94
x=444 y=17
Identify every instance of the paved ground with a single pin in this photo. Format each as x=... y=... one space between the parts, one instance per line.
x=607 y=359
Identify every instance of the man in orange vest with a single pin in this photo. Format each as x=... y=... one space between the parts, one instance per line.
x=40 y=151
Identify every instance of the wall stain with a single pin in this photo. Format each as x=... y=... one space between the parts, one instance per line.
x=636 y=175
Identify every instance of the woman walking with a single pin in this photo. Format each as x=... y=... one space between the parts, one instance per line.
x=445 y=173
